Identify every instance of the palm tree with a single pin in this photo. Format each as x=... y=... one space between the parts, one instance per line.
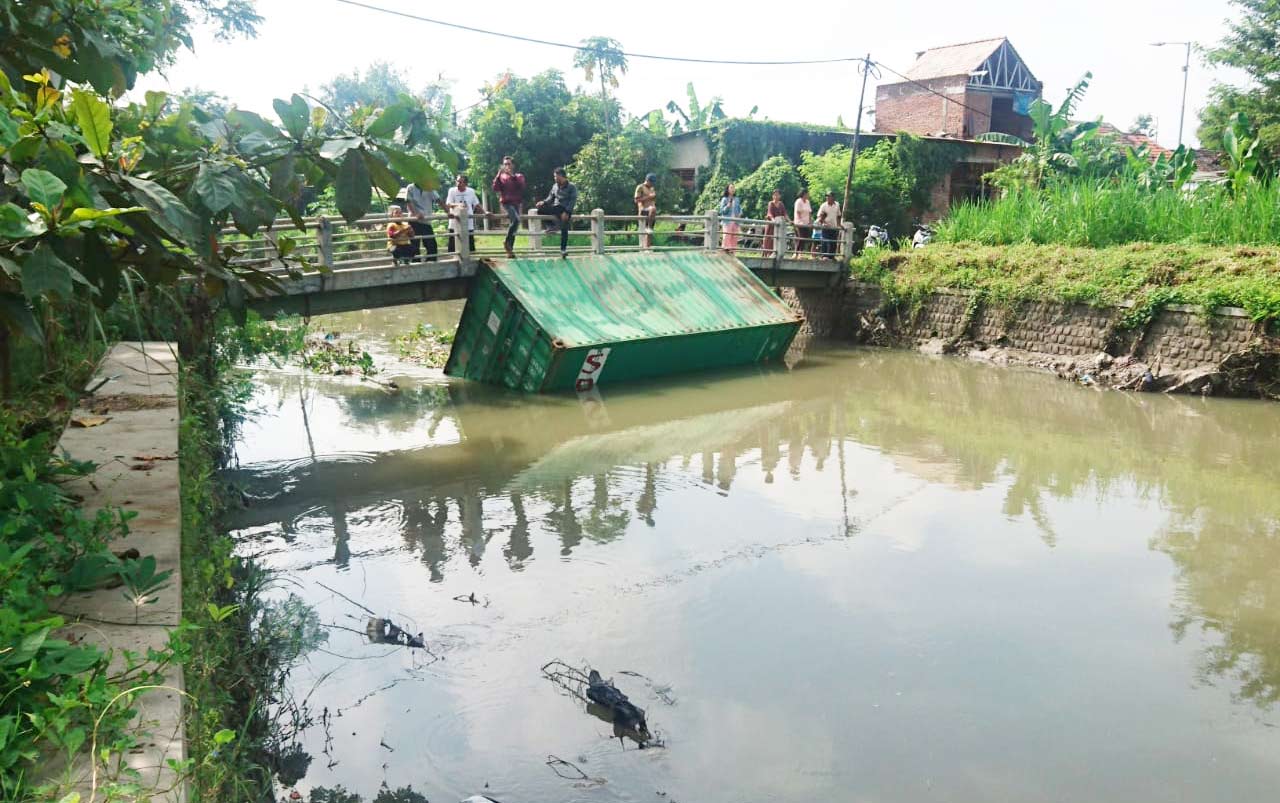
x=1053 y=132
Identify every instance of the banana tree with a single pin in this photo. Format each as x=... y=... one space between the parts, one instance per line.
x=697 y=116
x=1174 y=169
x=1053 y=132
x=1241 y=149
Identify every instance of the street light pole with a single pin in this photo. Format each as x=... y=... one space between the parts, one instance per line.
x=1186 y=74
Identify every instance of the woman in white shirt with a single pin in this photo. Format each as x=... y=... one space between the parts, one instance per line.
x=802 y=216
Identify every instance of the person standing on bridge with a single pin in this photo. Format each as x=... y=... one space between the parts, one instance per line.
x=647 y=208
x=803 y=218
x=559 y=204
x=422 y=205
x=829 y=220
x=777 y=213
x=730 y=210
x=509 y=185
x=462 y=200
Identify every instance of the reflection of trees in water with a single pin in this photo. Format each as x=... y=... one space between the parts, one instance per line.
x=402 y=411
x=1229 y=589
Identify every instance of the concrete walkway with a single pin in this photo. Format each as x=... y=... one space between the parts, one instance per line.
x=136 y=451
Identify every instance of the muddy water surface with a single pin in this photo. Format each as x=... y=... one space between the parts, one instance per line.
x=873 y=576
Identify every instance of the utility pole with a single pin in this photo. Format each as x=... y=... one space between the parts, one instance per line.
x=865 y=67
x=1186 y=74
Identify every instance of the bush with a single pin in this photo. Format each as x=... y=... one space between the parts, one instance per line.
x=756 y=190
x=878 y=195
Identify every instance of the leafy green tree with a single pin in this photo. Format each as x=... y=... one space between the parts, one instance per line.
x=378 y=86
x=879 y=194
x=608 y=168
x=536 y=120
x=1253 y=47
x=1143 y=124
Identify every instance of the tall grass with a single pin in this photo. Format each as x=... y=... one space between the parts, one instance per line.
x=1097 y=214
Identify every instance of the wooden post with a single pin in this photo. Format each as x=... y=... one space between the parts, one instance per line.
x=711 y=239
x=597 y=231
x=324 y=241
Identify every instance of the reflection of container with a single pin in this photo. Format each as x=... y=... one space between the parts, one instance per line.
x=551 y=324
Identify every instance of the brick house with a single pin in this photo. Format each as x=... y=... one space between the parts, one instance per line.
x=962 y=92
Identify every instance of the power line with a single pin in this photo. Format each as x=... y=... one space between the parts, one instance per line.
x=568 y=46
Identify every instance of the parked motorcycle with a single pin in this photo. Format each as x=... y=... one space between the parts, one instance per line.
x=923 y=236
x=877 y=237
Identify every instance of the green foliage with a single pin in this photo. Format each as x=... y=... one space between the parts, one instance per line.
x=879 y=193
x=697 y=115
x=740 y=146
x=756 y=190
x=1148 y=275
x=603 y=57
x=607 y=169
x=536 y=120
x=55 y=693
x=1252 y=47
x=1055 y=132
x=1114 y=212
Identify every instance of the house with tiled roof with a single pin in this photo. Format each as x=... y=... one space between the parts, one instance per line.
x=961 y=91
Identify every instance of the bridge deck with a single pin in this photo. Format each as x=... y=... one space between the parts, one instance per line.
x=349 y=268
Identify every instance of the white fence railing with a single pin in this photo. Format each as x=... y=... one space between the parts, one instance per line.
x=335 y=243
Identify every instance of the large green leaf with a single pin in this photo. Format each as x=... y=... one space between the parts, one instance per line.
x=100 y=269
x=253 y=207
x=44 y=272
x=336 y=148
x=353 y=190
x=391 y=118
x=8 y=131
x=93 y=116
x=168 y=212
x=15 y=225
x=414 y=168
x=248 y=121
x=90 y=218
x=43 y=187
x=214 y=187
x=284 y=181
x=295 y=114
x=16 y=314
x=381 y=176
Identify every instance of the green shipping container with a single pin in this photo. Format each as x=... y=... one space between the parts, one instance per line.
x=553 y=324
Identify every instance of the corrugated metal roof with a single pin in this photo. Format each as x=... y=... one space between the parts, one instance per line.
x=609 y=298
x=942 y=62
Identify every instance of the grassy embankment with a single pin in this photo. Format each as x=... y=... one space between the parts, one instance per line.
x=1101 y=245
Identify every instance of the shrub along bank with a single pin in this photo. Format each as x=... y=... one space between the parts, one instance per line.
x=1146 y=274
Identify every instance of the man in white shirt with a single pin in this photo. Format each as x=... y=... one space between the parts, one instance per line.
x=462 y=199
x=829 y=220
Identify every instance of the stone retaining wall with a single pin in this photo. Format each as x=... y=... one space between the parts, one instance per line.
x=1179 y=338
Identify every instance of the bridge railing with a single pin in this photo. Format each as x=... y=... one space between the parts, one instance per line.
x=336 y=244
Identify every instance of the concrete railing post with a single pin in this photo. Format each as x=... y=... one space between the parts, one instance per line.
x=597 y=231
x=712 y=237
x=846 y=241
x=324 y=241
x=533 y=225
x=779 y=241
x=463 y=233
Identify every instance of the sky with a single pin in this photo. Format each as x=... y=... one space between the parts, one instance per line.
x=304 y=43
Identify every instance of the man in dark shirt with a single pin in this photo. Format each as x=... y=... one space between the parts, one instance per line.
x=510 y=188
x=559 y=204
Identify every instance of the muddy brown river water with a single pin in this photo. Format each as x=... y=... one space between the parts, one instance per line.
x=871 y=576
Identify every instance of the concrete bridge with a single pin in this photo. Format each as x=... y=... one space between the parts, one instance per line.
x=348 y=266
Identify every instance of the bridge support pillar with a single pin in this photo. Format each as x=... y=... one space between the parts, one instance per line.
x=846 y=242
x=711 y=240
